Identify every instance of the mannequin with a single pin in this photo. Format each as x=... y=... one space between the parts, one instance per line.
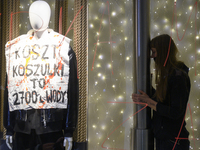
x=39 y=15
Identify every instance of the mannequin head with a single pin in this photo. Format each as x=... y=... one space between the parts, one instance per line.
x=39 y=15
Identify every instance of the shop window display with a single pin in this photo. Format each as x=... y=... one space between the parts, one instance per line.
x=110 y=111
x=110 y=65
x=30 y=121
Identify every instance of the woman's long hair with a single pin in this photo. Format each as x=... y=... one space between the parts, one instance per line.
x=164 y=44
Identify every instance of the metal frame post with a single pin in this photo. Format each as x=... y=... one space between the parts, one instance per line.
x=143 y=139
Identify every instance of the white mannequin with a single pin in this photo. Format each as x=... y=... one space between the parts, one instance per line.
x=39 y=16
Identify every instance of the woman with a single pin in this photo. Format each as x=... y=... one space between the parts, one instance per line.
x=170 y=98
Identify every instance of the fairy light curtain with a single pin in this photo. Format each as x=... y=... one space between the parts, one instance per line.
x=180 y=19
x=110 y=59
x=110 y=65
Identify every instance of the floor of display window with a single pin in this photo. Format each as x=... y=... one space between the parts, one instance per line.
x=3 y=145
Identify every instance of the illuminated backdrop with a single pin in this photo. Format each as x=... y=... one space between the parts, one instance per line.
x=110 y=54
x=115 y=25
x=184 y=26
x=110 y=47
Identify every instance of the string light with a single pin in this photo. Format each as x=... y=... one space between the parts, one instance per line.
x=104 y=85
x=160 y=23
x=113 y=13
x=91 y=25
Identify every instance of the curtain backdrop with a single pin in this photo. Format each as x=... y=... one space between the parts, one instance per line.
x=80 y=47
x=61 y=5
x=8 y=8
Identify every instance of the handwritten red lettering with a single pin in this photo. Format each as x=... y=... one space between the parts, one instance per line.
x=177 y=138
x=174 y=12
x=188 y=107
x=75 y=35
x=110 y=38
x=122 y=122
x=11 y=22
x=60 y=21
x=73 y=21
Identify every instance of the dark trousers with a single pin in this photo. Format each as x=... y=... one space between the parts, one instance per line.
x=169 y=144
x=31 y=141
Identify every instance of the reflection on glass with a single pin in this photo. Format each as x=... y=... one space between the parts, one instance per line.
x=110 y=47
x=110 y=65
x=183 y=26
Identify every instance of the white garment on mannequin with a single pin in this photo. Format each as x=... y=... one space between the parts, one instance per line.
x=39 y=16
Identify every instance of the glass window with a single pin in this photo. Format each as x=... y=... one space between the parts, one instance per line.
x=111 y=76
x=110 y=59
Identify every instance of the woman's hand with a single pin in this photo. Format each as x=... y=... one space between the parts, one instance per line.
x=143 y=98
x=140 y=98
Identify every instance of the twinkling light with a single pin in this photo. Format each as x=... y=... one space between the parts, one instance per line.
x=113 y=13
x=91 y=25
x=98 y=65
x=100 y=56
x=112 y=30
x=189 y=54
x=109 y=65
